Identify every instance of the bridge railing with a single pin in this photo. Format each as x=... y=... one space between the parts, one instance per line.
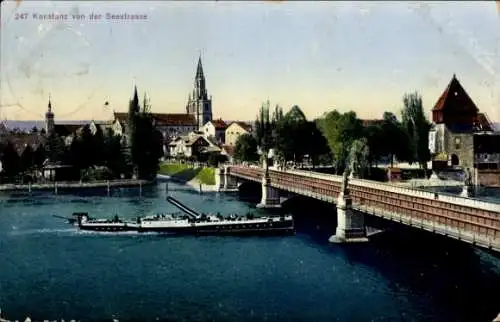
x=454 y=199
x=462 y=218
x=463 y=214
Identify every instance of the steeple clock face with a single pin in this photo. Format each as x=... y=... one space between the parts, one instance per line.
x=457 y=141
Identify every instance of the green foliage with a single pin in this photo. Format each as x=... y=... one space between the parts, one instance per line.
x=39 y=156
x=27 y=158
x=55 y=148
x=264 y=129
x=184 y=172
x=417 y=127
x=359 y=155
x=11 y=162
x=146 y=143
x=294 y=137
x=99 y=147
x=395 y=133
x=340 y=130
x=113 y=154
x=246 y=148
x=206 y=176
x=374 y=134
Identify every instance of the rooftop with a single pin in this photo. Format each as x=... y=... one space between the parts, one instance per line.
x=455 y=98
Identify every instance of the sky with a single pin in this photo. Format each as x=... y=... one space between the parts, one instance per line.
x=360 y=56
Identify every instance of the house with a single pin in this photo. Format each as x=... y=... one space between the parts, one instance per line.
x=456 y=121
x=235 y=130
x=171 y=125
x=215 y=129
x=195 y=144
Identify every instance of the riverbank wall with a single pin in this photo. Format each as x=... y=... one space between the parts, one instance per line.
x=193 y=183
x=75 y=185
x=198 y=178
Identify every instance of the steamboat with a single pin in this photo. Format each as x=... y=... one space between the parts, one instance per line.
x=192 y=222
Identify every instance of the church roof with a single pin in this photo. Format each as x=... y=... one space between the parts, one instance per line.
x=66 y=129
x=177 y=119
x=455 y=98
x=165 y=119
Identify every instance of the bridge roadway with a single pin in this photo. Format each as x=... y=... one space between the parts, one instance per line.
x=469 y=220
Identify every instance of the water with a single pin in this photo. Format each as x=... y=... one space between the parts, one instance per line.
x=49 y=270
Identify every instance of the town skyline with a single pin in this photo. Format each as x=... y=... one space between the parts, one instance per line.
x=290 y=53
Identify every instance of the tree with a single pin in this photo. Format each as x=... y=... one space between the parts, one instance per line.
x=395 y=133
x=34 y=129
x=86 y=148
x=75 y=155
x=146 y=142
x=296 y=133
x=359 y=158
x=39 y=155
x=374 y=134
x=27 y=158
x=98 y=147
x=317 y=146
x=340 y=130
x=278 y=133
x=10 y=160
x=55 y=149
x=246 y=148
x=417 y=127
x=264 y=132
x=113 y=153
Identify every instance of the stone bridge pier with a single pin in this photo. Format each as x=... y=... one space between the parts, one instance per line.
x=224 y=181
x=350 y=223
x=270 y=196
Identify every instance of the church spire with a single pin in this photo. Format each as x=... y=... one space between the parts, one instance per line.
x=135 y=98
x=199 y=69
x=49 y=106
x=49 y=119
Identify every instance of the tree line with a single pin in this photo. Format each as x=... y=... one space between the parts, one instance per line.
x=339 y=139
x=102 y=155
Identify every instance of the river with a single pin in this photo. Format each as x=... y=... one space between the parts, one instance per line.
x=49 y=270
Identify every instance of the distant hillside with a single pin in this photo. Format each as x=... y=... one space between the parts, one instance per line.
x=26 y=126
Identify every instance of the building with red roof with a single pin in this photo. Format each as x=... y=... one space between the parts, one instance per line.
x=460 y=132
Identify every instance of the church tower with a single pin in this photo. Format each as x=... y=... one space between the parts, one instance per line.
x=199 y=103
x=49 y=120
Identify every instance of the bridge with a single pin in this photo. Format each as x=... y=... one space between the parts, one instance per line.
x=469 y=220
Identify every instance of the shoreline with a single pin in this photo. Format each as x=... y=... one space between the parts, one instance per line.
x=193 y=183
x=74 y=185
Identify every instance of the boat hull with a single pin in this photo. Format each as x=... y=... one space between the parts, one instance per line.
x=276 y=228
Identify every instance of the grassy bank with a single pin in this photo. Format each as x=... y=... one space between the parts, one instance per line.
x=185 y=173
